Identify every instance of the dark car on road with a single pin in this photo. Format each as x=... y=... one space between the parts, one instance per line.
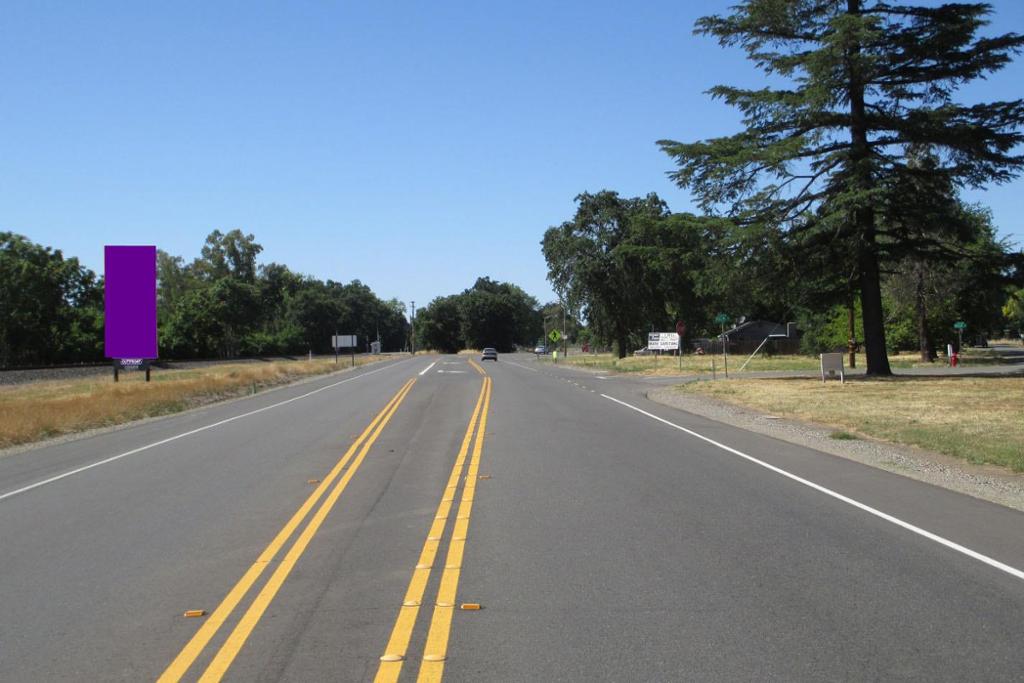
x=489 y=354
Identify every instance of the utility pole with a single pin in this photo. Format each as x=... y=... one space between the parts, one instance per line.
x=725 y=350
x=412 y=329
x=565 y=342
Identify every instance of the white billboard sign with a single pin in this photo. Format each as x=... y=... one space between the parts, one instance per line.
x=343 y=341
x=663 y=341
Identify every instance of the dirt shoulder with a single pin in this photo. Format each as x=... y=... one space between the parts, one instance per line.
x=988 y=482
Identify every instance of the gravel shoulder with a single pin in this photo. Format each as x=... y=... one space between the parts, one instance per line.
x=987 y=482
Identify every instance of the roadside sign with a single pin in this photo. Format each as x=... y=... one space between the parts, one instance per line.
x=832 y=364
x=343 y=341
x=555 y=336
x=722 y=318
x=663 y=341
x=129 y=364
x=680 y=328
x=960 y=325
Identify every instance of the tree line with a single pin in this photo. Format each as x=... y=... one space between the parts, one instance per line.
x=630 y=265
x=220 y=305
x=838 y=201
x=490 y=313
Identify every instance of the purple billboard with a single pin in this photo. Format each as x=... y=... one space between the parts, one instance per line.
x=129 y=299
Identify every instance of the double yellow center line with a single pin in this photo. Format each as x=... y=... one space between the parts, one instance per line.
x=435 y=652
x=353 y=458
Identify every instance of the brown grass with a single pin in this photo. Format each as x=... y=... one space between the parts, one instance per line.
x=693 y=364
x=30 y=412
x=980 y=419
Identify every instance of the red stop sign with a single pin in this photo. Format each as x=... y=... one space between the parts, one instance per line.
x=681 y=328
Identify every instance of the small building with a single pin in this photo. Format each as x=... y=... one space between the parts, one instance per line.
x=782 y=338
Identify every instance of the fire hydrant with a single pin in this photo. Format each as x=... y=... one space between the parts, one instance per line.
x=954 y=360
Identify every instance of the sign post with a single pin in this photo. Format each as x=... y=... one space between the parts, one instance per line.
x=960 y=326
x=722 y=319
x=680 y=331
x=555 y=336
x=344 y=341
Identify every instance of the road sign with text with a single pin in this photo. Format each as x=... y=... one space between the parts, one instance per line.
x=662 y=341
x=343 y=341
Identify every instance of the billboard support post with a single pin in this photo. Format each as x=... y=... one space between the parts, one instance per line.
x=346 y=341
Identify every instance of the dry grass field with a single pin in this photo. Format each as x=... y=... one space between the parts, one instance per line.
x=980 y=419
x=29 y=412
x=693 y=364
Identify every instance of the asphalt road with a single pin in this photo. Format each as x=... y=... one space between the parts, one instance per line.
x=326 y=525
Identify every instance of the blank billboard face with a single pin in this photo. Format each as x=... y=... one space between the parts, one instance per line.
x=130 y=302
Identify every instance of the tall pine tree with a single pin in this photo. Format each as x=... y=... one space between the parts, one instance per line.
x=869 y=83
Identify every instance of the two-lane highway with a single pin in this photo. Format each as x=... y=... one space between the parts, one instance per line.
x=347 y=528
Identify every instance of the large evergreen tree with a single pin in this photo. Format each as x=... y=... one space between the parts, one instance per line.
x=870 y=84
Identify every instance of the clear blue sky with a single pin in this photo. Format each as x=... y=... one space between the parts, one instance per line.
x=414 y=146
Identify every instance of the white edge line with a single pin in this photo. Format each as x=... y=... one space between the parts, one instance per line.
x=1013 y=571
x=78 y=470
x=427 y=369
x=524 y=367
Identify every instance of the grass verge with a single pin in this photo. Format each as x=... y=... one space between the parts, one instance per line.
x=702 y=365
x=974 y=418
x=30 y=412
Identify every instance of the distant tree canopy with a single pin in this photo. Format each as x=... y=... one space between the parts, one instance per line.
x=490 y=313
x=221 y=305
x=51 y=308
x=630 y=267
x=224 y=305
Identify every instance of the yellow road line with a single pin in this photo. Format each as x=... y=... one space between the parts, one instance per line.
x=436 y=649
x=230 y=649
x=398 y=644
x=476 y=366
x=195 y=646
